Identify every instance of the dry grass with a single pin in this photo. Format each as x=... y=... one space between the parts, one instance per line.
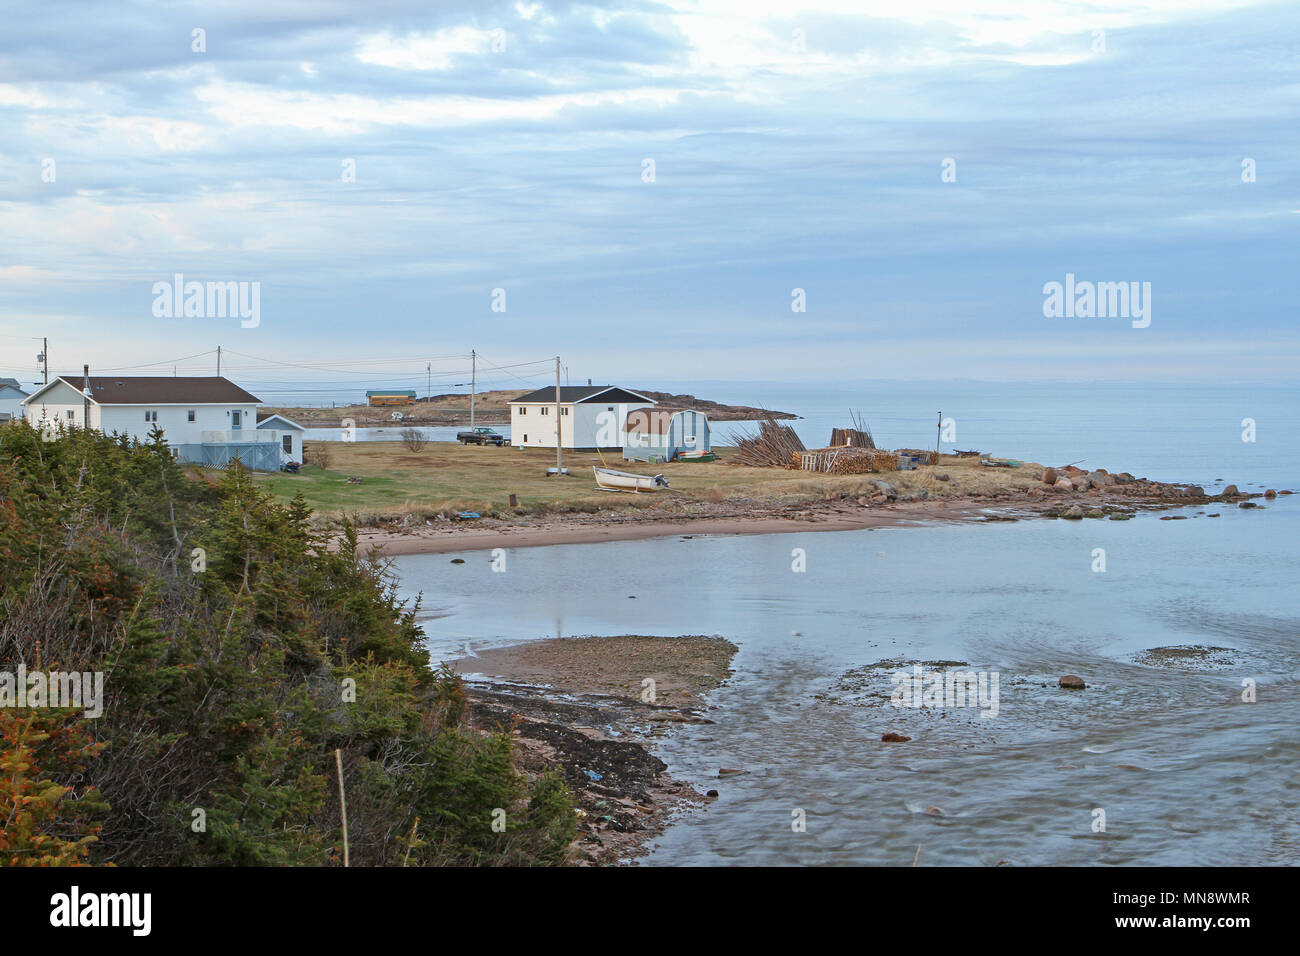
x=446 y=476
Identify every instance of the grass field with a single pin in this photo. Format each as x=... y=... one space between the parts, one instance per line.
x=447 y=476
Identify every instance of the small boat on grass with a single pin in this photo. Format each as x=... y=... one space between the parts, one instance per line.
x=1002 y=462
x=611 y=480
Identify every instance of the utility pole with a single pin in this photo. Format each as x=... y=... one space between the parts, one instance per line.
x=938 y=439
x=559 y=431
x=218 y=361
x=44 y=356
x=428 y=385
x=473 y=384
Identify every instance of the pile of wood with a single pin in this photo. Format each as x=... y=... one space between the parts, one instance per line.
x=852 y=437
x=859 y=436
x=773 y=447
x=922 y=456
x=845 y=460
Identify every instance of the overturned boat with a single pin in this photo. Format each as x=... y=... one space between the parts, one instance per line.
x=611 y=480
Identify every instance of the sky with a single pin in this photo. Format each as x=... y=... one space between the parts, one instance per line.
x=657 y=192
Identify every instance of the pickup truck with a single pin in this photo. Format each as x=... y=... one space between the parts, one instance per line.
x=481 y=436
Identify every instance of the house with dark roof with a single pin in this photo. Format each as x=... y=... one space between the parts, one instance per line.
x=206 y=420
x=585 y=417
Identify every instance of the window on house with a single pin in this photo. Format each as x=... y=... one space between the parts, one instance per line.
x=610 y=408
x=287 y=443
x=546 y=411
x=523 y=411
x=189 y=416
x=564 y=411
x=525 y=439
x=72 y=416
x=151 y=416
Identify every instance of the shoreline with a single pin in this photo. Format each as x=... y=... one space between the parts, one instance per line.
x=560 y=530
x=449 y=538
x=580 y=704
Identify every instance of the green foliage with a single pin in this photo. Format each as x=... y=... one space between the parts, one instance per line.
x=229 y=689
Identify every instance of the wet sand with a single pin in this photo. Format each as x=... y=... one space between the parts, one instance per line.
x=587 y=529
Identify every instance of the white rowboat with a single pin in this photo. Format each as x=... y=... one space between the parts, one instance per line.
x=612 y=480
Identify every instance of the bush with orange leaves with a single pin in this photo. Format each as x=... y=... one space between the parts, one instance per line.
x=44 y=823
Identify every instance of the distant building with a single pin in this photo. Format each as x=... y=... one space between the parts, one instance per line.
x=663 y=433
x=390 y=396
x=591 y=417
x=206 y=420
x=11 y=399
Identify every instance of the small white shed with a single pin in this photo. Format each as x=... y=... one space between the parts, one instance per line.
x=288 y=434
x=665 y=433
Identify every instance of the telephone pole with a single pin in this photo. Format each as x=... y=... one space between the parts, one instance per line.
x=559 y=431
x=473 y=384
x=45 y=357
x=428 y=385
x=218 y=361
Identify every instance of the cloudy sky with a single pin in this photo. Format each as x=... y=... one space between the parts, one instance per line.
x=649 y=182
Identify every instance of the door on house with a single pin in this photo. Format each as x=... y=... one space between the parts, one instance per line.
x=236 y=420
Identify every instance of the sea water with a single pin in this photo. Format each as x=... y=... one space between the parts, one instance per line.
x=1163 y=759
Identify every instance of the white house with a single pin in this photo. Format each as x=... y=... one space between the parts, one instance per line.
x=207 y=420
x=11 y=399
x=591 y=416
x=663 y=433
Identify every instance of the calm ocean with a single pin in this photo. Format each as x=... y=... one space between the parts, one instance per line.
x=1184 y=770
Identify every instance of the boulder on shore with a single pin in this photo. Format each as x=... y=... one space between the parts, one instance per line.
x=1049 y=476
x=1074 y=511
x=1065 y=484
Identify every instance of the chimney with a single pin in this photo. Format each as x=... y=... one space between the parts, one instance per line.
x=588 y=381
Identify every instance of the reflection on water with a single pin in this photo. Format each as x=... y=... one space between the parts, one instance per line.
x=1184 y=770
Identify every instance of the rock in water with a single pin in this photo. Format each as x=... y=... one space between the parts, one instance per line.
x=1072 y=682
x=1229 y=492
x=893 y=738
x=1074 y=511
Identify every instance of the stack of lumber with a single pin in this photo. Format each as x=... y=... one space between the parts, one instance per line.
x=845 y=460
x=773 y=447
x=922 y=456
x=854 y=437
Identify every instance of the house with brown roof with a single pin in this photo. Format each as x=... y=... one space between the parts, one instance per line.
x=662 y=434
x=205 y=419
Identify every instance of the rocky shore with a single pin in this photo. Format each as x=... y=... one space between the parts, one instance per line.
x=593 y=707
x=937 y=493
